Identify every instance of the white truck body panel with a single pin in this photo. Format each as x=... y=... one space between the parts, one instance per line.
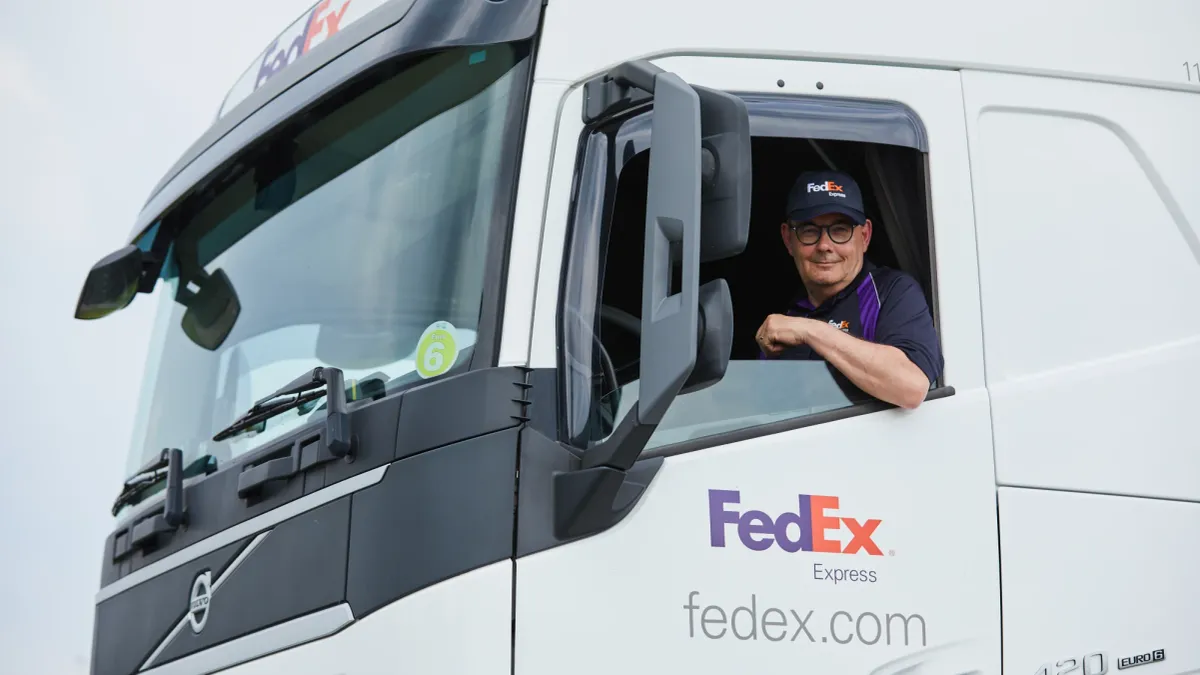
x=1097 y=574
x=1063 y=391
x=1087 y=215
x=630 y=586
x=1064 y=38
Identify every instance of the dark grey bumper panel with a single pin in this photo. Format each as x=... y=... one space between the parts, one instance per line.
x=428 y=416
x=430 y=495
x=433 y=516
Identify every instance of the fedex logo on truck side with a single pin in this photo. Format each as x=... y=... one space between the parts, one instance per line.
x=805 y=529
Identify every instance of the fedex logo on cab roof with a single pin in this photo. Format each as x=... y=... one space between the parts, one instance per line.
x=321 y=24
x=324 y=20
x=809 y=528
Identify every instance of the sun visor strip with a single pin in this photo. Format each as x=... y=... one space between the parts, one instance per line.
x=429 y=25
x=819 y=118
x=347 y=38
x=837 y=119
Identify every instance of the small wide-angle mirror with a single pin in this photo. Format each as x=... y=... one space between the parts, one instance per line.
x=211 y=311
x=111 y=283
x=714 y=336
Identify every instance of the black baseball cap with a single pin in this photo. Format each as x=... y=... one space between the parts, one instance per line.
x=819 y=192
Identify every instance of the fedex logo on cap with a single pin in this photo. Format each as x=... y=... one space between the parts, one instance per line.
x=805 y=529
x=828 y=186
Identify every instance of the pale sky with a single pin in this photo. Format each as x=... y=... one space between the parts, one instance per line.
x=97 y=100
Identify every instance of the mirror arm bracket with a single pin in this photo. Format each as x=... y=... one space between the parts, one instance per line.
x=621 y=449
x=151 y=265
x=628 y=85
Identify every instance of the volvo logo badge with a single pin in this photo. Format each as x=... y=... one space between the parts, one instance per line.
x=199 y=599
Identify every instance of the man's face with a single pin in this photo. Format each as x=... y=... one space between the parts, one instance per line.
x=826 y=263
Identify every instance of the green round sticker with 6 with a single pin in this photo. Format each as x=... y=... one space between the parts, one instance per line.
x=436 y=350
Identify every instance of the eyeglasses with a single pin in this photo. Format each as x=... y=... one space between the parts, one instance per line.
x=809 y=233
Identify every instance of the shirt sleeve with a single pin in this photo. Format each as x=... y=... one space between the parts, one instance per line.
x=906 y=323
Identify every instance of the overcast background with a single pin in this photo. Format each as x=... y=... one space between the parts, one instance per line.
x=97 y=100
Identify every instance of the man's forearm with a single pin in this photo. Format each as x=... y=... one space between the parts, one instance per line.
x=882 y=371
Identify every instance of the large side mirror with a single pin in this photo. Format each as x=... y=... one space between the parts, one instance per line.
x=697 y=208
x=211 y=311
x=112 y=283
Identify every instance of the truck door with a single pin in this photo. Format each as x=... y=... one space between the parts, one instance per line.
x=770 y=522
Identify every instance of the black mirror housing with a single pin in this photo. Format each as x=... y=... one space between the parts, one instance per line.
x=212 y=311
x=112 y=283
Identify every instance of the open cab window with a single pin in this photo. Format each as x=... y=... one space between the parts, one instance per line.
x=881 y=144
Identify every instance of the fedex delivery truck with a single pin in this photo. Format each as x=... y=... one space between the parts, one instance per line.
x=454 y=367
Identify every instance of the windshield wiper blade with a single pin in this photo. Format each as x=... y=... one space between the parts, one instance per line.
x=169 y=463
x=154 y=471
x=144 y=532
x=310 y=386
x=148 y=475
x=132 y=490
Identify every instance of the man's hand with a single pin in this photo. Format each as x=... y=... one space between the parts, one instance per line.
x=780 y=332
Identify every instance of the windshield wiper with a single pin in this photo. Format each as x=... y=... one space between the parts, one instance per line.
x=317 y=383
x=170 y=462
x=154 y=471
x=373 y=386
x=132 y=490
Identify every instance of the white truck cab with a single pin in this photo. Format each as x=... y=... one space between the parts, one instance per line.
x=454 y=366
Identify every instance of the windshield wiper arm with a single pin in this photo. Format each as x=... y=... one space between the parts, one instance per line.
x=317 y=382
x=132 y=490
x=154 y=471
x=170 y=462
x=148 y=475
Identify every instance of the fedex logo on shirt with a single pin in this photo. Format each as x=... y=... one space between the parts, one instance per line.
x=321 y=24
x=808 y=528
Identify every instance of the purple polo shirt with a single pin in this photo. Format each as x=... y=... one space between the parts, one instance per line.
x=881 y=305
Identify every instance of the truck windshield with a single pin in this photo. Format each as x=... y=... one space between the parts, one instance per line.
x=345 y=236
